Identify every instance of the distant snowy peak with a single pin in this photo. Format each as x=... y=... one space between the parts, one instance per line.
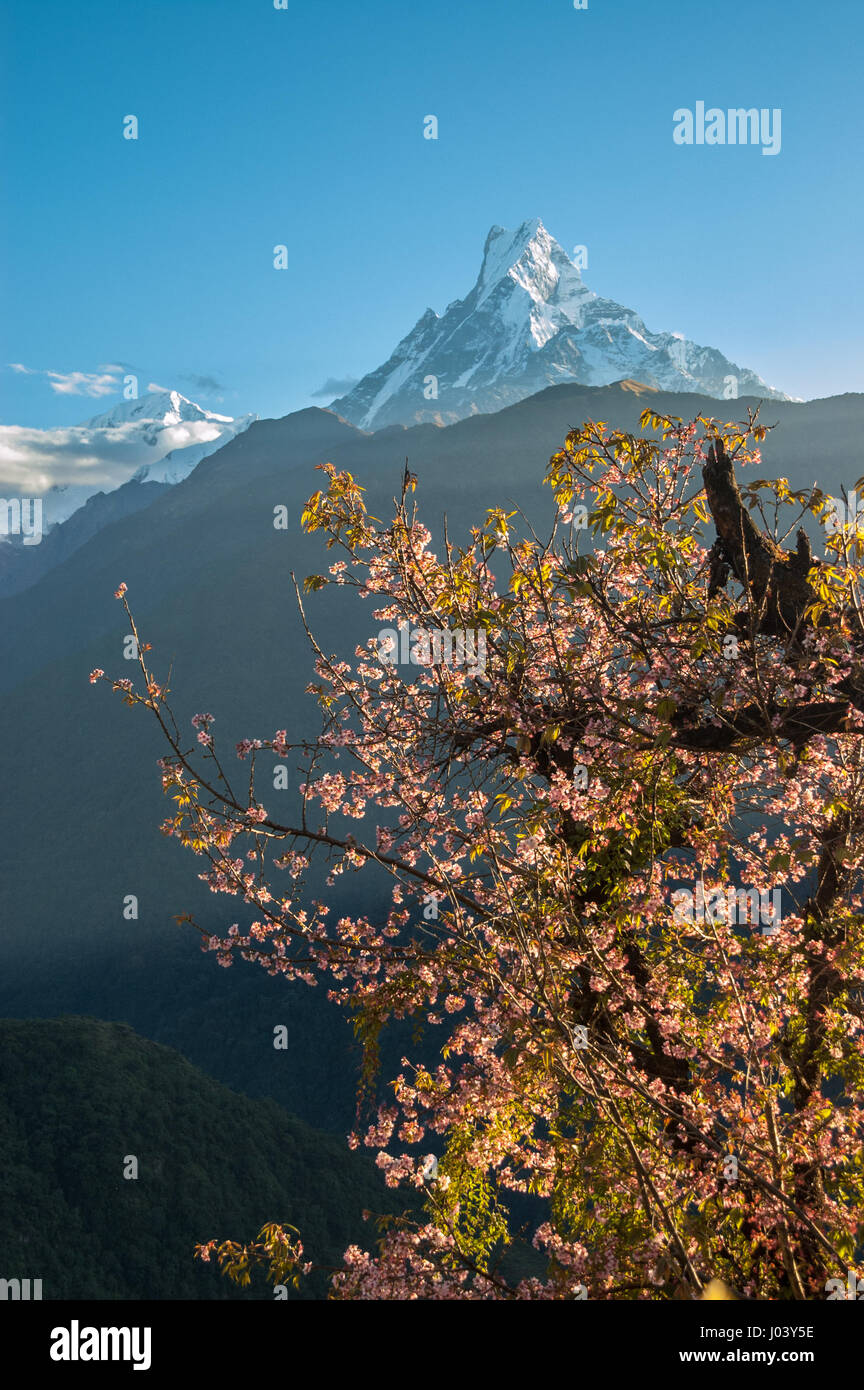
x=162 y=407
x=176 y=465
x=158 y=438
x=528 y=323
x=534 y=262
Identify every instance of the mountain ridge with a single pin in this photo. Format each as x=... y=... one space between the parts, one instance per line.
x=530 y=322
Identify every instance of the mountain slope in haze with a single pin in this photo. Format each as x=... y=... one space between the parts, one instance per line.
x=206 y=554
x=530 y=322
x=78 y=1097
x=210 y=583
x=23 y=565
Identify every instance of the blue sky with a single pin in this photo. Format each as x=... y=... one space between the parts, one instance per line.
x=305 y=127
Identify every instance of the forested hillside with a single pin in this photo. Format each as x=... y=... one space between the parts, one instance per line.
x=79 y=1097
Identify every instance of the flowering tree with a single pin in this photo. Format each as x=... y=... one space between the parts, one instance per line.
x=578 y=830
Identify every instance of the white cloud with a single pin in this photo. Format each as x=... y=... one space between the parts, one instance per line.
x=83 y=383
x=89 y=459
x=39 y=459
x=105 y=382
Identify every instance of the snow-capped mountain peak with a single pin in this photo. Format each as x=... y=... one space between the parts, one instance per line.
x=530 y=257
x=530 y=322
x=164 y=407
x=167 y=432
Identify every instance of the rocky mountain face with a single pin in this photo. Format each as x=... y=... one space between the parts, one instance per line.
x=530 y=322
